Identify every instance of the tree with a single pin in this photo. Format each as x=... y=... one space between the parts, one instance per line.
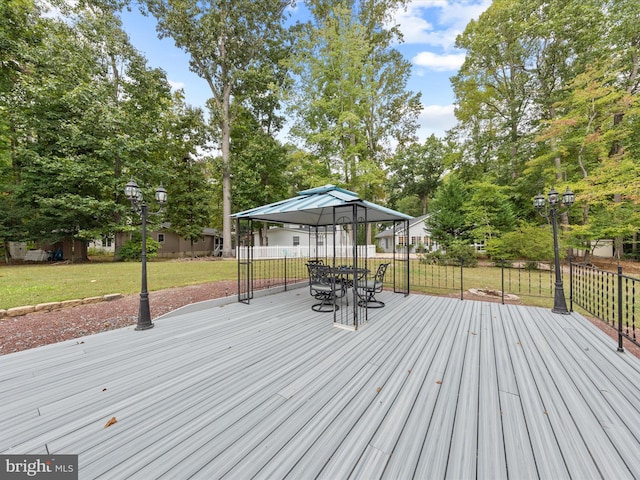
x=86 y=114
x=447 y=221
x=189 y=211
x=350 y=100
x=226 y=40
x=520 y=58
x=488 y=212
x=20 y=32
x=415 y=171
x=494 y=92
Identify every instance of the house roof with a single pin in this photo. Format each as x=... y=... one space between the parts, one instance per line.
x=319 y=207
x=389 y=231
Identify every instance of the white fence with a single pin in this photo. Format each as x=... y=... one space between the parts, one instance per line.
x=305 y=252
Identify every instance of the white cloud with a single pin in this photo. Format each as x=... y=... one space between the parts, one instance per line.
x=176 y=85
x=441 y=63
x=436 y=119
x=438 y=22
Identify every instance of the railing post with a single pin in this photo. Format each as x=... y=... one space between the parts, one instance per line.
x=570 y=283
x=461 y=278
x=502 y=275
x=285 y=273
x=620 y=346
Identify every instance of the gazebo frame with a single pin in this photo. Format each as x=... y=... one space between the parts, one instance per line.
x=320 y=209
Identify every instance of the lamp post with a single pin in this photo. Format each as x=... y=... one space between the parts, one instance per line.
x=138 y=205
x=539 y=202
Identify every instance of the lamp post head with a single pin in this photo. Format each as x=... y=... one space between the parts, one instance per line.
x=161 y=195
x=538 y=202
x=132 y=191
x=568 y=198
x=552 y=197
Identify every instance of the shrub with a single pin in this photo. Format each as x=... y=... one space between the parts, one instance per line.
x=529 y=241
x=462 y=251
x=131 y=250
x=434 y=257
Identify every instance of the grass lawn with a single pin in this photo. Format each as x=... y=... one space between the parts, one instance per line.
x=533 y=287
x=33 y=284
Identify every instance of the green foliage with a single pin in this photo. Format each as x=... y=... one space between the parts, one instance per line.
x=458 y=251
x=489 y=211
x=529 y=242
x=349 y=99
x=411 y=205
x=236 y=47
x=461 y=251
x=415 y=172
x=189 y=209
x=131 y=250
x=260 y=164
x=447 y=221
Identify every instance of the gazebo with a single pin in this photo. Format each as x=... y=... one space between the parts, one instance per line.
x=325 y=211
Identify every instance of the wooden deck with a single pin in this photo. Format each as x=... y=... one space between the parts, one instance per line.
x=431 y=388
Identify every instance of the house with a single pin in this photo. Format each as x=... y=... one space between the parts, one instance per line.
x=418 y=239
x=294 y=235
x=301 y=241
x=173 y=245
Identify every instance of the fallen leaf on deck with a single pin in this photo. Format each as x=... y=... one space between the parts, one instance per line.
x=111 y=422
x=439 y=382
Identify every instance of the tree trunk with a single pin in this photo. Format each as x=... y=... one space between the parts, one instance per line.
x=226 y=173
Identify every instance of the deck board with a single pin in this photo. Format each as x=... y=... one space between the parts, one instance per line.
x=431 y=387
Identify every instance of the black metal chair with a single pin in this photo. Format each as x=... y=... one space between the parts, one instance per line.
x=324 y=287
x=371 y=287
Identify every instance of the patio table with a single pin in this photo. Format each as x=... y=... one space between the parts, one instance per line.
x=346 y=274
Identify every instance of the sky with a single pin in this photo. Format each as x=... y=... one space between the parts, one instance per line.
x=429 y=28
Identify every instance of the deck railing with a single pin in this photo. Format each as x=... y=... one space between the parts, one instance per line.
x=610 y=296
x=501 y=280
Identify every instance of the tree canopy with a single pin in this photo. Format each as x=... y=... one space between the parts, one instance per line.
x=548 y=95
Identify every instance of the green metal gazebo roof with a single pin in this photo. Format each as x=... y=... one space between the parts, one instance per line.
x=319 y=207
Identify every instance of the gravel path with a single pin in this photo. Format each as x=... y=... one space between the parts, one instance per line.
x=42 y=328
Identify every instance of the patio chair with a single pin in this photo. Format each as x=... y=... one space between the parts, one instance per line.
x=371 y=287
x=324 y=287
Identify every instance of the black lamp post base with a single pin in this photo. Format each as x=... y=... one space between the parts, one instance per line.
x=145 y=326
x=144 y=313
x=559 y=303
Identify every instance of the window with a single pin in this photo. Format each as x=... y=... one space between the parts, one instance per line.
x=402 y=240
x=161 y=237
x=415 y=240
x=296 y=240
